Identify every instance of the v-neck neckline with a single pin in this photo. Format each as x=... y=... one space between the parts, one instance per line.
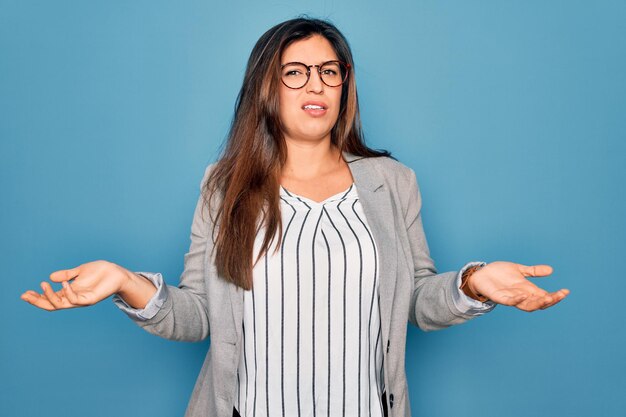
x=339 y=196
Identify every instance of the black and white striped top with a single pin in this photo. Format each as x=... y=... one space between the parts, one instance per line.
x=311 y=324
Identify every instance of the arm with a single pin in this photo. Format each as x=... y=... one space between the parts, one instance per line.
x=178 y=313
x=139 y=290
x=175 y=312
x=437 y=301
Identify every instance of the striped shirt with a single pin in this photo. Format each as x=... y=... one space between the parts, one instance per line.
x=311 y=324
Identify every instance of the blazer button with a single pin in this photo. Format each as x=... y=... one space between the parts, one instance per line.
x=387 y=346
x=391 y=400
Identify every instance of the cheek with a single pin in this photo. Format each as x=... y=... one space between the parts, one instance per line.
x=286 y=103
x=287 y=116
x=337 y=106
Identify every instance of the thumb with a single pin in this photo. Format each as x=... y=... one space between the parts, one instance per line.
x=65 y=274
x=535 y=270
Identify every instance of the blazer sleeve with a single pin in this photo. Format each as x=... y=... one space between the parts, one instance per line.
x=180 y=312
x=436 y=301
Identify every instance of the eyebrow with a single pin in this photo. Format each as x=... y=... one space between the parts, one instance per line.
x=300 y=62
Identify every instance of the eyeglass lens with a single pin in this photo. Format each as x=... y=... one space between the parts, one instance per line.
x=333 y=74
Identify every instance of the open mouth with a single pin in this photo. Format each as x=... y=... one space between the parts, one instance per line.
x=315 y=109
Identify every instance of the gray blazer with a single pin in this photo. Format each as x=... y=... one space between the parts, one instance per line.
x=205 y=305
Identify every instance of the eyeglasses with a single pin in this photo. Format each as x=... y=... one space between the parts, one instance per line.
x=296 y=74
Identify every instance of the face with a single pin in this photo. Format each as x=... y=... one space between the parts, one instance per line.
x=302 y=123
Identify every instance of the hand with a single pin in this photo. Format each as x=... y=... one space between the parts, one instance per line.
x=506 y=283
x=92 y=282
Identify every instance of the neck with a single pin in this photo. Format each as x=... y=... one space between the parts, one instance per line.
x=310 y=160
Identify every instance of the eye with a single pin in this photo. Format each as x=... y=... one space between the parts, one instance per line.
x=331 y=69
x=294 y=70
x=292 y=73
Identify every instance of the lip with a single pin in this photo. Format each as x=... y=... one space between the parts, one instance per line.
x=315 y=112
x=315 y=103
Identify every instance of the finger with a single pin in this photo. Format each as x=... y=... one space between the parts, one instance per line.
x=536 y=301
x=27 y=295
x=556 y=300
x=53 y=297
x=535 y=270
x=549 y=299
x=37 y=300
x=70 y=294
x=65 y=274
x=558 y=297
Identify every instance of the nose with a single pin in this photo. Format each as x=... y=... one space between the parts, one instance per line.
x=315 y=84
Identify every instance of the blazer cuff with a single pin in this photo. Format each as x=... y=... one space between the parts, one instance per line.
x=465 y=304
x=154 y=305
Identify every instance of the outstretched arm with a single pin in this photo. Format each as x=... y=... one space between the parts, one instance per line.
x=437 y=300
x=172 y=312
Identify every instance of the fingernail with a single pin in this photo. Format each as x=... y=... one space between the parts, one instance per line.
x=64 y=283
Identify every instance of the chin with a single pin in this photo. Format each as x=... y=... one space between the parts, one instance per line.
x=307 y=136
x=315 y=130
x=315 y=135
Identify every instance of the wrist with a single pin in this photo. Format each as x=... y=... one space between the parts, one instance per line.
x=468 y=277
x=137 y=290
x=127 y=284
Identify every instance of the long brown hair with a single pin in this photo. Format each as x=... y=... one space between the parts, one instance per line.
x=247 y=176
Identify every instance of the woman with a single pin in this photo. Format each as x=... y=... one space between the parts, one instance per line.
x=307 y=253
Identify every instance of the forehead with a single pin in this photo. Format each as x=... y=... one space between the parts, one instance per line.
x=313 y=50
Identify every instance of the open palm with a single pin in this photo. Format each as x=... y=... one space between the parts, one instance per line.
x=91 y=283
x=506 y=283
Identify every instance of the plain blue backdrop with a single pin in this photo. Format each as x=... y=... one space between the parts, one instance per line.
x=511 y=113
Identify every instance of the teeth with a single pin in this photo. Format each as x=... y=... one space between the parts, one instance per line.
x=313 y=107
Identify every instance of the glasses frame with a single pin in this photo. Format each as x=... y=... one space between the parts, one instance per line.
x=319 y=72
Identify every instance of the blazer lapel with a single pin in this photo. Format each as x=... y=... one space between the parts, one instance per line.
x=376 y=202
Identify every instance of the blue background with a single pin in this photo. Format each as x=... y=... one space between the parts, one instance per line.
x=511 y=113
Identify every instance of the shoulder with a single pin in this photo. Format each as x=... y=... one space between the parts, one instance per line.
x=393 y=166
x=394 y=173
x=398 y=179
x=209 y=193
x=207 y=171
